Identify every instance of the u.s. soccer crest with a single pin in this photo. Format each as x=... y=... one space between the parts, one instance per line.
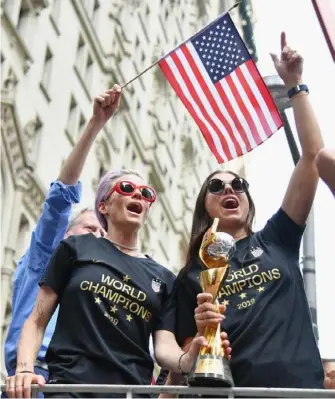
x=156 y=284
x=256 y=251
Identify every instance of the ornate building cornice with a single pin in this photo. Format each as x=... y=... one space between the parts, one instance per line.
x=16 y=41
x=20 y=167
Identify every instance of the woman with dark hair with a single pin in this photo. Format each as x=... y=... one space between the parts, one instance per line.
x=267 y=317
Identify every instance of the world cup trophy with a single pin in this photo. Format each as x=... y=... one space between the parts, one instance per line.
x=211 y=367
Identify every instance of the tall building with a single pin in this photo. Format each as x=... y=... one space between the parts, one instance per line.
x=55 y=56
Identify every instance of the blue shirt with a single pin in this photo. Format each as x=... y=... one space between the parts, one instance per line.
x=49 y=231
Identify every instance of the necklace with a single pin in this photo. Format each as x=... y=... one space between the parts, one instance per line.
x=122 y=246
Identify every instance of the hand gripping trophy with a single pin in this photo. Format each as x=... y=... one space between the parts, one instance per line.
x=211 y=367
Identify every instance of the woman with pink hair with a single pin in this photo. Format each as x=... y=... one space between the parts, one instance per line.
x=111 y=298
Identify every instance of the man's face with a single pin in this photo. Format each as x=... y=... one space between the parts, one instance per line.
x=86 y=223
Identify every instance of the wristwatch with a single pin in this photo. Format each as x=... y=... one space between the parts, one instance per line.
x=297 y=89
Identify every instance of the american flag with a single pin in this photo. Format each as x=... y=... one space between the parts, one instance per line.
x=220 y=85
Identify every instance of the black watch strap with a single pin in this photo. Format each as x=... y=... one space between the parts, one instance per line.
x=297 y=89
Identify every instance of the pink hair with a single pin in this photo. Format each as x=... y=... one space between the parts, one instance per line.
x=105 y=185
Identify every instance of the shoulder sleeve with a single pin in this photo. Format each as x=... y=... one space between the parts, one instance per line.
x=60 y=266
x=56 y=212
x=282 y=230
x=52 y=224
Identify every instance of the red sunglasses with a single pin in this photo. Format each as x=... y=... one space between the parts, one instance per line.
x=127 y=188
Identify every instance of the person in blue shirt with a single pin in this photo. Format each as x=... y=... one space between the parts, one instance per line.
x=52 y=226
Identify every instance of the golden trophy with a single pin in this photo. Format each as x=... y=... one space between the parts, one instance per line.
x=211 y=367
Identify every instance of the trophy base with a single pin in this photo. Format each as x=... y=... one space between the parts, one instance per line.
x=210 y=371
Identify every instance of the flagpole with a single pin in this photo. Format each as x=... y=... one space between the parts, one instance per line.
x=160 y=59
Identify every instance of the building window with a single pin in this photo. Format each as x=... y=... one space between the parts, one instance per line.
x=55 y=15
x=80 y=56
x=11 y=81
x=22 y=238
x=88 y=78
x=23 y=16
x=82 y=124
x=46 y=74
x=96 y=13
x=72 y=120
x=32 y=132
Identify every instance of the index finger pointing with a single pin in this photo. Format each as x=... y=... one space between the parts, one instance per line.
x=283 y=41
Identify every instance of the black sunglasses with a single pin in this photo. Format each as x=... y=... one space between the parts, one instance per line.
x=217 y=186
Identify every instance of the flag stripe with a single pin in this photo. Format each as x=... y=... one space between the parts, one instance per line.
x=253 y=100
x=254 y=73
x=229 y=81
x=259 y=98
x=175 y=80
x=223 y=111
x=201 y=100
x=230 y=101
x=259 y=128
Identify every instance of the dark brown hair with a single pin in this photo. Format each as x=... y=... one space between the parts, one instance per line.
x=202 y=221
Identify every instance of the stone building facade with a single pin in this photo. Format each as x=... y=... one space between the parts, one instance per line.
x=55 y=56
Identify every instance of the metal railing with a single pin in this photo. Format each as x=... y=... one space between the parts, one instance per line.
x=130 y=390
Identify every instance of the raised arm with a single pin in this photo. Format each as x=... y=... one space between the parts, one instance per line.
x=105 y=105
x=52 y=225
x=29 y=344
x=301 y=190
x=325 y=162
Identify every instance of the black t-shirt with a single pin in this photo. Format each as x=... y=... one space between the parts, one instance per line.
x=267 y=318
x=110 y=303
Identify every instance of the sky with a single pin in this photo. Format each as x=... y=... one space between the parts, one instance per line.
x=268 y=184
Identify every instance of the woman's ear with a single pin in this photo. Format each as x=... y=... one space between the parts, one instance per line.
x=102 y=208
